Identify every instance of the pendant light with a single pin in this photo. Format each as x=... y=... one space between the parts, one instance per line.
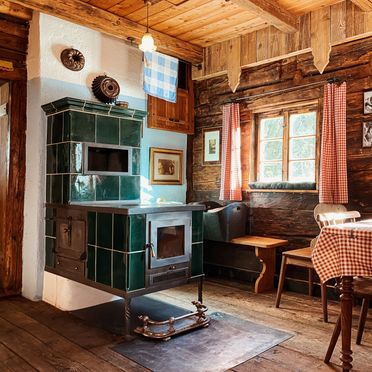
x=147 y=43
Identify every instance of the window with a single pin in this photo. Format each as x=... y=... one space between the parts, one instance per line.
x=286 y=147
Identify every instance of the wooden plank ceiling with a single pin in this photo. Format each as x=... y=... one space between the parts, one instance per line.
x=205 y=22
x=182 y=28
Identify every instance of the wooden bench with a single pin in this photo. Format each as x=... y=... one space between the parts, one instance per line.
x=265 y=249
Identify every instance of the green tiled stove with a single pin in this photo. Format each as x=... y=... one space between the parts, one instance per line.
x=96 y=231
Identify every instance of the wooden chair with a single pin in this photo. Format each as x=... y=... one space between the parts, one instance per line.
x=362 y=289
x=302 y=257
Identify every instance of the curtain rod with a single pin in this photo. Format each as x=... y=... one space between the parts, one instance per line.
x=334 y=80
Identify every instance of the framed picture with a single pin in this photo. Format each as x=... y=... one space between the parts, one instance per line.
x=367 y=102
x=212 y=146
x=166 y=166
x=367 y=134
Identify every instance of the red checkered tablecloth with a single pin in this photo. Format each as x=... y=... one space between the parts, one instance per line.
x=344 y=250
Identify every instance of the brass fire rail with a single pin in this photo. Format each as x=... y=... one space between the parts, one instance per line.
x=173 y=326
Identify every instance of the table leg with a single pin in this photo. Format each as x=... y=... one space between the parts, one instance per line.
x=266 y=279
x=346 y=298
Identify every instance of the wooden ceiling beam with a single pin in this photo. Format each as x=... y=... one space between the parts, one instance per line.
x=15 y=10
x=272 y=13
x=365 y=5
x=101 y=20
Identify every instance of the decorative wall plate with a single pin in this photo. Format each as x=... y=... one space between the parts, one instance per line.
x=105 y=88
x=73 y=59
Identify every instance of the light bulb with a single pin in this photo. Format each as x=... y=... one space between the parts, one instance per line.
x=147 y=43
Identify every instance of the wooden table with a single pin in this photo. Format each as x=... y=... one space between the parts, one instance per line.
x=344 y=251
x=265 y=250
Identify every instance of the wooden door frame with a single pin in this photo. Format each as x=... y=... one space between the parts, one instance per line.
x=11 y=262
x=11 y=273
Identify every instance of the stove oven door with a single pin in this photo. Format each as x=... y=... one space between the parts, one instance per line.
x=169 y=235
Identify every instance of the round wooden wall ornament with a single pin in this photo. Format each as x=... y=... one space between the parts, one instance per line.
x=73 y=59
x=105 y=88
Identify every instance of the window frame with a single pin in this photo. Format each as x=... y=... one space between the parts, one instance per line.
x=285 y=112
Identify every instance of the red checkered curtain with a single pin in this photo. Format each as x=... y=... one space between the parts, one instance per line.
x=231 y=179
x=333 y=168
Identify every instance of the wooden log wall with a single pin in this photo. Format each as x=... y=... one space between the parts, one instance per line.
x=13 y=48
x=287 y=215
x=346 y=22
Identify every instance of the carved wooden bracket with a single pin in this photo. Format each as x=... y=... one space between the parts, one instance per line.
x=234 y=69
x=321 y=37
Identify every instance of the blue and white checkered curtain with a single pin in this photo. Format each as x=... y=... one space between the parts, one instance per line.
x=160 y=73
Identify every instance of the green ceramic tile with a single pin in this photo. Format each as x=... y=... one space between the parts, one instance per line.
x=120 y=232
x=197 y=259
x=107 y=130
x=49 y=252
x=76 y=158
x=129 y=187
x=65 y=188
x=48 y=196
x=104 y=230
x=136 y=271
x=118 y=271
x=130 y=132
x=197 y=226
x=66 y=126
x=49 y=129
x=107 y=188
x=57 y=128
x=136 y=162
x=91 y=263
x=92 y=228
x=50 y=224
x=51 y=167
x=103 y=266
x=83 y=188
x=56 y=189
x=82 y=126
x=63 y=157
x=137 y=232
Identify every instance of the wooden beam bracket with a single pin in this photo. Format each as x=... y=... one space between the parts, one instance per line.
x=271 y=12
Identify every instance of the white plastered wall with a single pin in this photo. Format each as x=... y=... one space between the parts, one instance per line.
x=49 y=80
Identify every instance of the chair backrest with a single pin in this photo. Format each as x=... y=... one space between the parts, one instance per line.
x=334 y=218
x=322 y=208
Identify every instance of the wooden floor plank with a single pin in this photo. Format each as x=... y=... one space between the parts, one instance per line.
x=74 y=354
x=96 y=340
x=9 y=361
x=49 y=333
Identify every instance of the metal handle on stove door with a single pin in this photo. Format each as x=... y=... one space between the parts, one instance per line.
x=151 y=246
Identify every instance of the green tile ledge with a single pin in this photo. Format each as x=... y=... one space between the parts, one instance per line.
x=76 y=104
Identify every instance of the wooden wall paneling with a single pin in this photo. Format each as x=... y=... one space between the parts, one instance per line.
x=305 y=32
x=274 y=213
x=365 y=5
x=346 y=22
x=263 y=43
x=355 y=20
x=321 y=37
x=12 y=279
x=233 y=63
x=248 y=48
x=4 y=137
x=338 y=22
